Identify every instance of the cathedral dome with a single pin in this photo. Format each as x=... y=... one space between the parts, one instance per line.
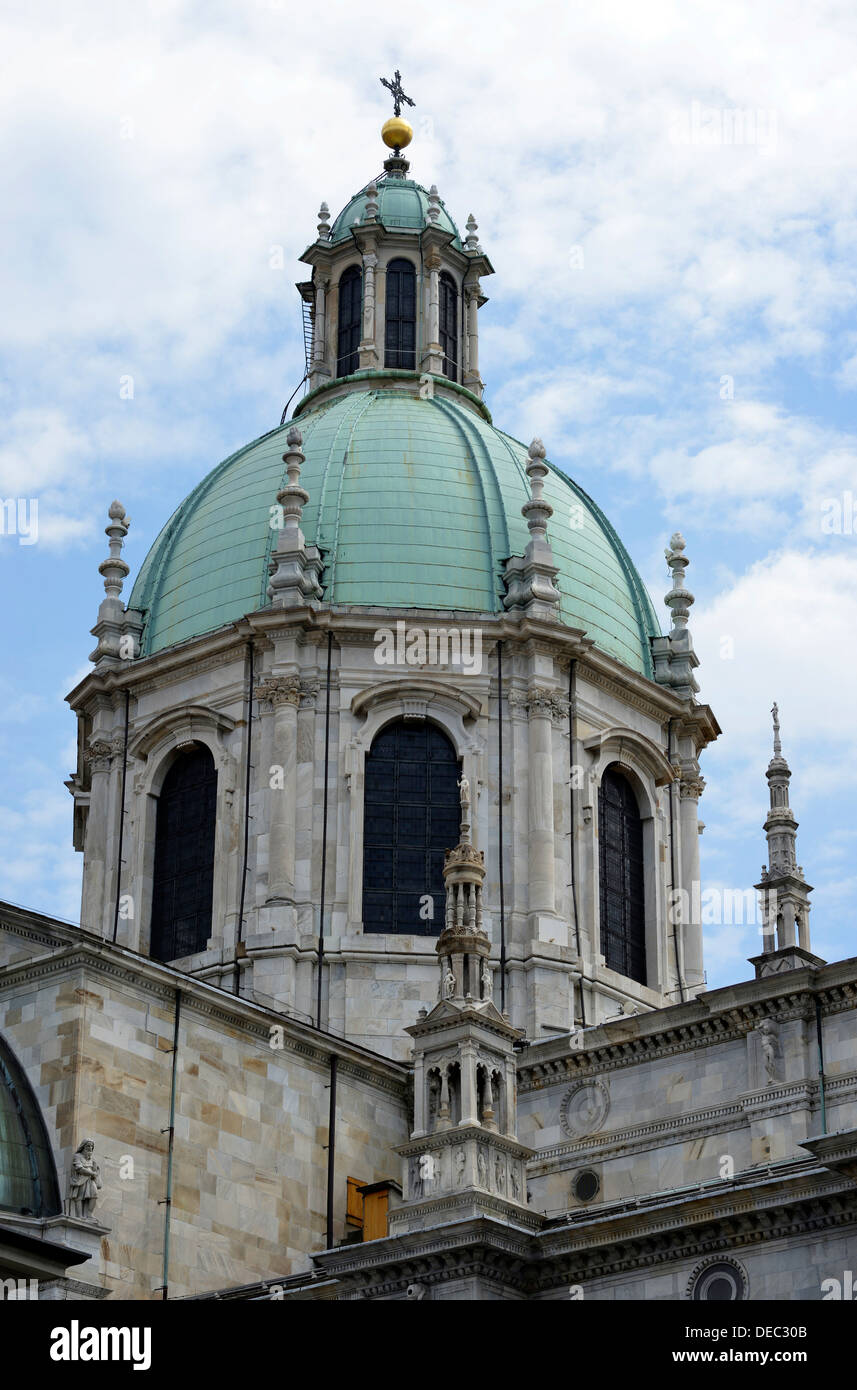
x=414 y=503
x=402 y=207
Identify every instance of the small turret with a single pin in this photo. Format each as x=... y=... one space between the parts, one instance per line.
x=783 y=888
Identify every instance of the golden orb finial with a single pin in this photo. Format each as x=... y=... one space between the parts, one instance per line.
x=396 y=133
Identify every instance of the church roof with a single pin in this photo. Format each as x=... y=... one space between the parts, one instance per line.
x=402 y=206
x=415 y=503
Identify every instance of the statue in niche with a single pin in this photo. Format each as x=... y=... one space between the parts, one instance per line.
x=487 y=981
x=84 y=1181
x=500 y=1173
x=482 y=1167
x=768 y=1036
x=515 y=1182
x=449 y=984
x=416 y=1182
x=460 y=1166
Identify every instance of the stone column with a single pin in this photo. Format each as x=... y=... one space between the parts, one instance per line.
x=690 y=790
x=283 y=693
x=469 y=1091
x=419 y=1095
x=542 y=897
x=98 y=755
x=511 y=1097
x=368 y=346
x=472 y=378
x=431 y=356
x=320 y=323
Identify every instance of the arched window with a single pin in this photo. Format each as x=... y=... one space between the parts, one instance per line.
x=184 y=857
x=412 y=814
x=28 y=1176
x=449 y=325
x=348 y=322
x=400 y=338
x=620 y=846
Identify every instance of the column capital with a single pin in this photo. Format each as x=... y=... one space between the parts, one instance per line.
x=279 y=690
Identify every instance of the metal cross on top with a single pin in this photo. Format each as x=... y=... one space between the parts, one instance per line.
x=395 y=88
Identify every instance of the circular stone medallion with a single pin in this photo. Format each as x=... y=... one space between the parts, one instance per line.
x=584 y=1109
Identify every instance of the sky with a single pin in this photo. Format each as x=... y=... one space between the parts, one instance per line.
x=668 y=194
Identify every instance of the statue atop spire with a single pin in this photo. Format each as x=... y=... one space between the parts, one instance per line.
x=785 y=892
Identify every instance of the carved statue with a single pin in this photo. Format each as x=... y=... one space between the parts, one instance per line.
x=448 y=984
x=516 y=1183
x=499 y=1173
x=482 y=1167
x=487 y=981
x=84 y=1181
x=768 y=1035
x=416 y=1182
x=460 y=1165
x=464 y=788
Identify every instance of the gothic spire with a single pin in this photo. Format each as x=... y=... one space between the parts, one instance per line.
x=785 y=892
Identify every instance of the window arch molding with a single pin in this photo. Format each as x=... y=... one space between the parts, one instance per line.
x=155 y=749
x=647 y=769
x=349 y=271
x=396 y=337
x=452 y=711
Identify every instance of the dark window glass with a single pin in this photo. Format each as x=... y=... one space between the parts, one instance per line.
x=28 y=1178
x=719 y=1283
x=184 y=857
x=348 y=321
x=449 y=326
x=412 y=814
x=620 y=844
x=400 y=340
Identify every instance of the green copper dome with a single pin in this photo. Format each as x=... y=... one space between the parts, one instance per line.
x=414 y=503
x=402 y=206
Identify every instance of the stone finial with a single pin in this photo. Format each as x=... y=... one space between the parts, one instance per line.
x=778 y=747
x=679 y=599
x=295 y=566
x=537 y=511
x=371 y=202
x=530 y=578
x=114 y=568
x=471 y=242
x=324 y=223
x=117 y=628
x=84 y=1182
x=674 y=657
x=433 y=209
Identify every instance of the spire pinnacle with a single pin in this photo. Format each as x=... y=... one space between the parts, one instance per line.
x=785 y=892
x=396 y=132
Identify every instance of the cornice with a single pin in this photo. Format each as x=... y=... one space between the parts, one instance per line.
x=82 y=951
x=718 y=1016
